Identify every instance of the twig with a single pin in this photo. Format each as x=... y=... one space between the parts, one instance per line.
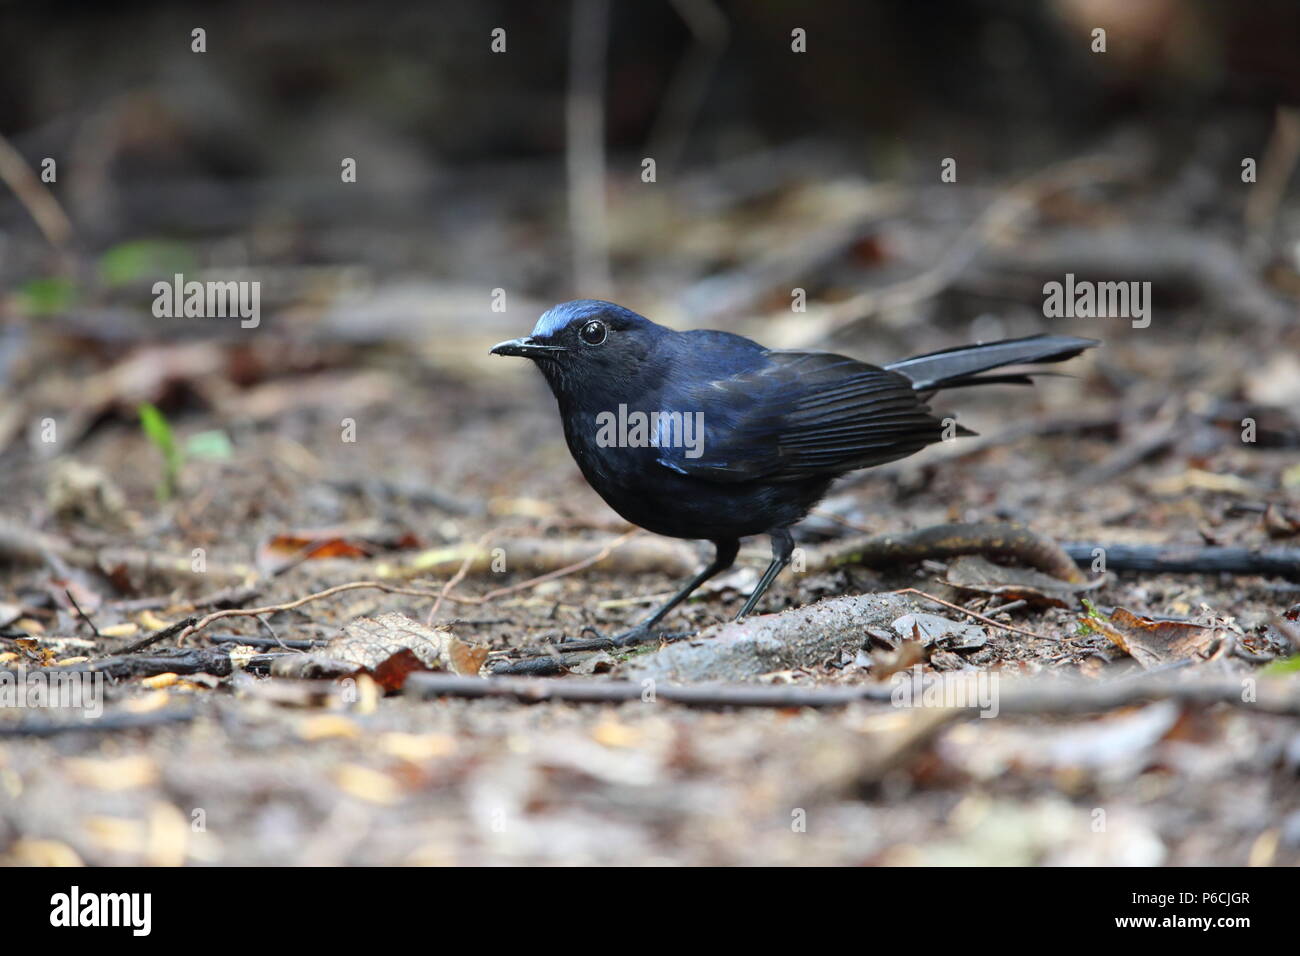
x=1033 y=696
x=178 y=627
x=944 y=541
x=201 y=623
x=979 y=617
x=1174 y=559
x=106 y=723
x=84 y=616
x=290 y=605
x=36 y=199
x=456 y=578
x=576 y=566
x=427 y=685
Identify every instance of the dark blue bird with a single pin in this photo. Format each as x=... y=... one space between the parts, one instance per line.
x=710 y=435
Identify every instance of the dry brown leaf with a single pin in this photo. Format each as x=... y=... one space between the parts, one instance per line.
x=1151 y=642
x=120 y=773
x=325 y=726
x=972 y=572
x=367 y=784
x=391 y=646
x=283 y=551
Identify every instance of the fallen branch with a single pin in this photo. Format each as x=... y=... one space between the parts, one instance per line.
x=171 y=630
x=201 y=660
x=940 y=542
x=1174 y=559
x=107 y=723
x=1035 y=696
x=803 y=637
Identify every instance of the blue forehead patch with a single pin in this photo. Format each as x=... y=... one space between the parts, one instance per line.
x=556 y=318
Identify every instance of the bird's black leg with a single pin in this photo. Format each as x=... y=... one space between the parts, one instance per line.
x=782 y=548
x=723 y=558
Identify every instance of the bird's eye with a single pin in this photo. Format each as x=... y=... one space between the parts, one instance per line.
x=593 y=333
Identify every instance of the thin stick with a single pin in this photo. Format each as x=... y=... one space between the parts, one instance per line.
x=388 y=589
x=177 y=627
x=456 y=578
x=36 y=199
x=290 y=605
x=1025 y=696
x=979 y=617
x=84 y=616
x=559 y=572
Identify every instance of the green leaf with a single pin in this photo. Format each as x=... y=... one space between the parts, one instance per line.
x=145 y=259
x=50 y=295
x=214 y=445
x=1288 y=665
x=160 y=433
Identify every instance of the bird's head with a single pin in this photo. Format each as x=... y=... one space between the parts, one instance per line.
x=588 y=343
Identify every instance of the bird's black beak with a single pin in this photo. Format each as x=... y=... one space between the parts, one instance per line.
x=526 y=348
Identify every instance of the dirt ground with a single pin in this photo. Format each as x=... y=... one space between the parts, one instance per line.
x=161 y=479
x=270 y=769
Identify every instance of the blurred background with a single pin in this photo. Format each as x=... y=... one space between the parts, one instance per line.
x=500 y=154
x=497 y=173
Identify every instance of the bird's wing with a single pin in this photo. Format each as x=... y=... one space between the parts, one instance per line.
x=798 y=415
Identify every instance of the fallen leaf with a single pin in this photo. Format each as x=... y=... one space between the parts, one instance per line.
x=283 y=551
x=1151 y=642
x=27 y=852
x=366 y=784
x=416 y=748
x=1195 y=479
x=930 y=629
x=151 y=621
x=389 y=647
x=120 y=773
x=885 y=665
x=1280 y=523
x=972 y=572
x=118 y=630
x=325 y=726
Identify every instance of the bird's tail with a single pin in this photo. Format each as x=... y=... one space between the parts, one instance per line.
x=961 y=366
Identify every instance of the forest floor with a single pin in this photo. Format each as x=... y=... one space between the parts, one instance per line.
x=372 y=439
